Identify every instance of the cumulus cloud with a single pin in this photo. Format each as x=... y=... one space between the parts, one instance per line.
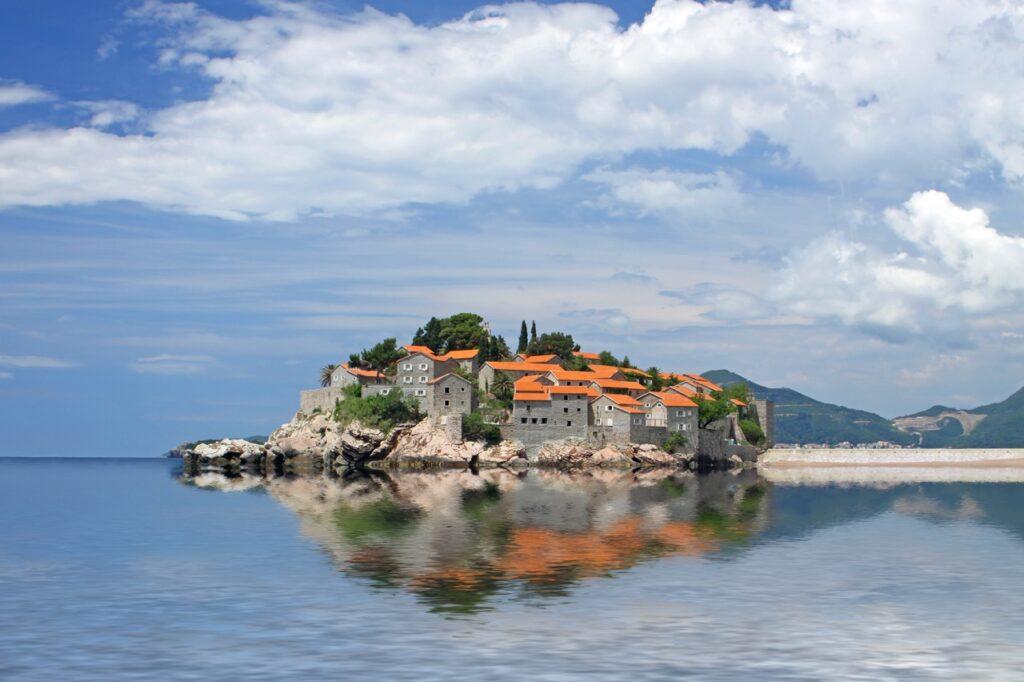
x=105 y=113
x=955 y=269
x=669 y=193
x=33 y=362
x=171 y=364
x=722 y=301
x=15 y=93
x=313 y=112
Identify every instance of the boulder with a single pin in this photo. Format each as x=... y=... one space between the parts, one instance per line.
x=229 y=449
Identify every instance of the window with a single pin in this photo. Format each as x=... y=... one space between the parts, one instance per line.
x=385 y=391
x=680 y=413
x=533 y=421
x=407 y=380
x=568 y=423
x=423 y=380
x=447 y=403
x=544 y=420
x=579 y=409
x=421 y=392
x=522 y=420
x=447 y=389
x=463 y=389
x=684 y=427
x=608 y=422
x=407 y=366
x=565 y=397
x=608 y=408
x=423 y=365
x=565 y=410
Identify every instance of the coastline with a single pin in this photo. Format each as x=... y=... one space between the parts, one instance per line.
x=895 y=457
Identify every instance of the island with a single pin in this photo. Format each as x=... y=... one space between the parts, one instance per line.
x=457 y=396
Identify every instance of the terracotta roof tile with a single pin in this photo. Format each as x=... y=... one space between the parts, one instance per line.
x=671 y=399
x=620 y=384
x=521 y=397
x=530 y=367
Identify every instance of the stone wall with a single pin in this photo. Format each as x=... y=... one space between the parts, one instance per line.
x=765 y=410
x=320 y=398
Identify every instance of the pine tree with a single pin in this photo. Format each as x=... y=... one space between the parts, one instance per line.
x=524 y=339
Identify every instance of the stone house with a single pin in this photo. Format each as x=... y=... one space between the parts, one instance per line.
x=674 y=413
x=549 y=359
x=630 y=388
x=617 y=418
x=516 y=370
x=548 y=413
x=343 y=376
x=449 y=394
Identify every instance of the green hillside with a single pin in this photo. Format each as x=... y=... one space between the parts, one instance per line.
x=1002 y=428
x=801 y=419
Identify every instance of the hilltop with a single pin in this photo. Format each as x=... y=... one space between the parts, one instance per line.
x=996 y=425
x=801 y=419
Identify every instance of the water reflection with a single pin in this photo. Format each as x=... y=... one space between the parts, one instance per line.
x=458 y=539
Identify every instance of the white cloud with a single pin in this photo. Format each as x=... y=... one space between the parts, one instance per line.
x=313 y=112
x=105 y=113
x=956 y=269
x=6 y=375
x=172 y=364
x=15 y=93
x=669 y=193
x=33 y=362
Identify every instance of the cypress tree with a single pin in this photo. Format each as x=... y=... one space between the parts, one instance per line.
x=524 y=340
x=533 y=331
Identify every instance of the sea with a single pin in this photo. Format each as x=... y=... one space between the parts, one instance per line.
x=128 y=569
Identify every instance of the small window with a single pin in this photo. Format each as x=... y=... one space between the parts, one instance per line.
x=533 y=421
x=565 y=397
x=568 y=423
x=407 y=366
x=423 y=365
x=447 y=403
x=385 y=391
x=579 y=409
x=544 y=420
x=447 y=389
x=423 y=380
x=463 y=389
x=522 y=420
x=565 y=410
x=420 y=391
x=407 y=380
x=608 y=408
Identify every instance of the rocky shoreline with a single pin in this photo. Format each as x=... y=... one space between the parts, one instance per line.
x=317 y=442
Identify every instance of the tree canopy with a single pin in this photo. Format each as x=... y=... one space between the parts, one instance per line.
x=524 y=338
x=379 y=357
x=461 y=331
x=719 y=404
x=557 y=343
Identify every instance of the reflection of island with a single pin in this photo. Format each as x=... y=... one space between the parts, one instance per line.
x=456 y=539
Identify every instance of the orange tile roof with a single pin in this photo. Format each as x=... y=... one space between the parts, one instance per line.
x=570 y=390
x=527 y=379
x=620 y=399
x=539 y=359
x=462 y=354
x=530 y=367
x=586 y=356
x=522 y=396
x=672 y=399
x=604 y=371
x=704 y=382
x=737 y=402
x=672 y=376
x=685 y=390
x=569 y=375
x=619 y=383
x=634 y=371
x=356 y=371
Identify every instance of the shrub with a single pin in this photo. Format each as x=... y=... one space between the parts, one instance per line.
x=675 y=442
x=377 y=411
x=475 y=428
x=752 y=431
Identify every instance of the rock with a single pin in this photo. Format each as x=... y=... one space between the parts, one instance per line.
x=647 y=447
x=228 y=450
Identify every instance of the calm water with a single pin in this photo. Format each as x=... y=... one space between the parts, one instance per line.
x=113 y=569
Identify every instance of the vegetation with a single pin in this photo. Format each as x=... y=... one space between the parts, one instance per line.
x=675 y=442
x=462 y=331
x=476 y=429
x=719 y=404
x=801 y=419
x=752 y=431
x=379 y=411
x=380 y=357
x=553 y=343
x=524 y=338
x=503 y=387
x=533 y=331
x=607 y=358
x=654 y=380
x=325 y=374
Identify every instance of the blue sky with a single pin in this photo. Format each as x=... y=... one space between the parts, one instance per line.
x=202 y=203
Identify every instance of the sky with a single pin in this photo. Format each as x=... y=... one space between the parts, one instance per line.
x=202 y=203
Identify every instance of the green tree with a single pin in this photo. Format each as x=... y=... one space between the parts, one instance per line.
x=378 y=411
x=654 y=381
x=381 y=356
x=533 y=331
x=325 y=374
x=503 y=388
x=752 y=431
x=495 y=349
x=675 y=442
x=719 y=404
x=462 y=332
x=625 y=362
x=607 y=358
x=474 y=428
x=557 y=343
x=524 y=339
x=429 y=335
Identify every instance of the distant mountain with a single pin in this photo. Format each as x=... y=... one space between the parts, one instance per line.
x=801 y=419
x=998 y=425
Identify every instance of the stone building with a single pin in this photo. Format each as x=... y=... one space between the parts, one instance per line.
x=343 y=375
x=542 y=413
x=516 y=370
